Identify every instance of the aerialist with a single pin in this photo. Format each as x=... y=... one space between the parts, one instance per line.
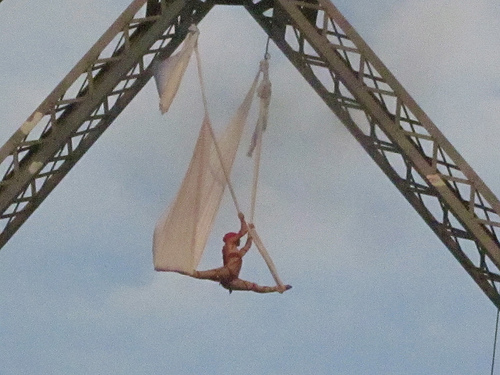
x=228 y=274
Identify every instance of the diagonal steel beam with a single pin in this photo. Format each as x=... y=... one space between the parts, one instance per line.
x=392 y=128
x=86 y=102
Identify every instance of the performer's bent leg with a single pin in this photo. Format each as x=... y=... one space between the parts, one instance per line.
x=239 y=284
x=216 y=274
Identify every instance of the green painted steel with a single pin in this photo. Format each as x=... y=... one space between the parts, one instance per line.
x=455 y=203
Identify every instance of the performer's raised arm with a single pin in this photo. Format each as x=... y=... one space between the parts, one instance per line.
x=243 y=228
x=248 y=244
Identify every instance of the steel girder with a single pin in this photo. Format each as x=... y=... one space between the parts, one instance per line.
x=332 y=57
x=393 y=129
x=86 y=102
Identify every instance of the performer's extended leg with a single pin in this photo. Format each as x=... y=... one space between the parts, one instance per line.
x=239 y=284
x=216 y=274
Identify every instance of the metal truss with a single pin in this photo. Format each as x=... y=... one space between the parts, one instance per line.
x=332 y=57
x=86 y=102
x=393 y=129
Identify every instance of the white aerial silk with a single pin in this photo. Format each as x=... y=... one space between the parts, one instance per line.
x=264 y=93
x=182 y=231
x=255 y=149
x=169 y=72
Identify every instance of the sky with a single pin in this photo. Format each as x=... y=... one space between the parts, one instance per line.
x=374 y=291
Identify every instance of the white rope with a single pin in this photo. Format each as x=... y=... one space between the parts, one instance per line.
x=212 y=133
x=256 y=169
x=264 y=93
x=263 y=251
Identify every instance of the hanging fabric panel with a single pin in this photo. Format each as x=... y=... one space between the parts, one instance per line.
x=182 y=232
x=174 y=235
x=169 y=72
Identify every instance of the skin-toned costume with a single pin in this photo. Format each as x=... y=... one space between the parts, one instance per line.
x=232 y=257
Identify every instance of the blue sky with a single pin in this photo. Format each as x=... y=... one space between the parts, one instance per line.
x=374 y=292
